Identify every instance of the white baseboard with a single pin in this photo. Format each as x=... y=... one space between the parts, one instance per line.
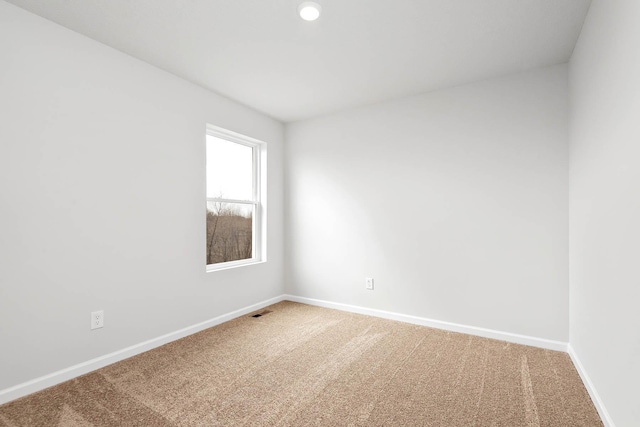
x=438 y=324
x=595 y=397
x=71 y=372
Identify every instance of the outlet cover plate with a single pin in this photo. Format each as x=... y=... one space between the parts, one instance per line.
x=97 y=319
x=369 y=283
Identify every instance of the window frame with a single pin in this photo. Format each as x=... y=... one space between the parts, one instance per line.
x=258 y=237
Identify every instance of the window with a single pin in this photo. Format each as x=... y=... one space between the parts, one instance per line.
x=235 y=218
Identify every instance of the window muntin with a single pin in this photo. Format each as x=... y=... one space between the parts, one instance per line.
x=234 y=212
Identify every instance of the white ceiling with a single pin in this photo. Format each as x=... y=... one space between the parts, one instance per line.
x=260 y=53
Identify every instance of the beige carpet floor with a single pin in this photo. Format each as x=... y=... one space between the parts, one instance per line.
x=301 y=365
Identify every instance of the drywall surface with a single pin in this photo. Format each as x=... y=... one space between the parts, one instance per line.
x=102 y=184
x=605 y=204
x=455 y=202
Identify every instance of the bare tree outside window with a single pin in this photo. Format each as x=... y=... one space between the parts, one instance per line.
x=229 y=232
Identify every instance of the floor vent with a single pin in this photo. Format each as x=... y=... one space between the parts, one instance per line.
x=262 y=313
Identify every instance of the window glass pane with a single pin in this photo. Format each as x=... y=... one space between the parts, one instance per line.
x=229 y=231
x=229 y=169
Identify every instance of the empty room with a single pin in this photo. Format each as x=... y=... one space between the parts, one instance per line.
x=329 y=213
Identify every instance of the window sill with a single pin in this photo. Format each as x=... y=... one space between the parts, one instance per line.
x=232 y=264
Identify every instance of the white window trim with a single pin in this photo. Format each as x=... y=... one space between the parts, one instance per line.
x=259 y=249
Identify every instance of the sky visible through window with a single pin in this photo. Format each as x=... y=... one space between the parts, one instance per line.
x=229 y=169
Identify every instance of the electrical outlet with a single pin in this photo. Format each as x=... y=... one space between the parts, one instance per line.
x=97 y=319
x=369 y=283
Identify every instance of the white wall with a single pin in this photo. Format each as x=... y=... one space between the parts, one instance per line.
x=102 y=200
x=455 y=202
x=605 y=204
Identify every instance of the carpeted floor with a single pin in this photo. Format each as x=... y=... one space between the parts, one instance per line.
x=301 y=365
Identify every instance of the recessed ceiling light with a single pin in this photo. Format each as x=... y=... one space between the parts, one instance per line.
x=309 y=10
